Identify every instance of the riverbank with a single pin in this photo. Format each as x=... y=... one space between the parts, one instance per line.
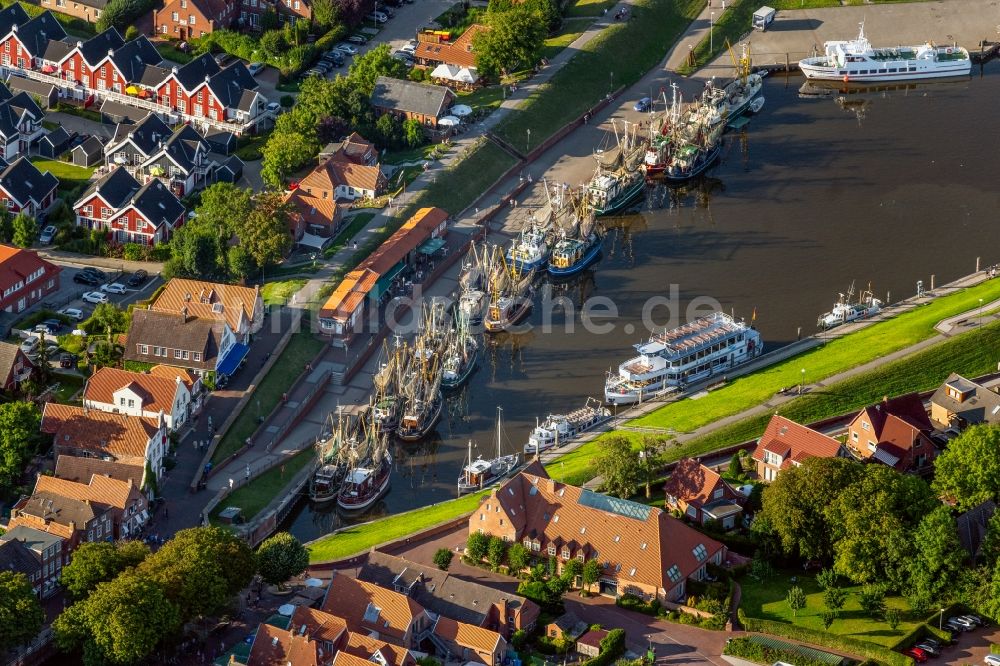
x=966 y=350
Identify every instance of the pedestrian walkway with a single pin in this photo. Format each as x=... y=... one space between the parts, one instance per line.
x=697 y=31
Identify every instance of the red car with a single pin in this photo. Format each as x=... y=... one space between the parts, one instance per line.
x=918 y=655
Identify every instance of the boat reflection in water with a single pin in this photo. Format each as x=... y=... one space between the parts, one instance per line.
x=858 y=98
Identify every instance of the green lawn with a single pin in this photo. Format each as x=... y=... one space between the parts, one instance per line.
x=465 y=181
x=489 y=98
x=279 y=293
x=803 y=4
x=258 y=493
x=170 y=52
x=767 y=601
x=353 y=540
x=730 y=25
x=69 y=175
x=68 y=386
x=629 y=49
x=589 y=7
x=428 y=152
x=301 y=349
x=568 y=32
x=358 y=222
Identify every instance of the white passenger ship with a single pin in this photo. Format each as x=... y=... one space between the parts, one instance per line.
x=705 y=347
x=857 y=60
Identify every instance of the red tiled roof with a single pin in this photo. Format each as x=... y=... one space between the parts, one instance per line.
x=349 y=295
x=101 y=490
x=349 y=598
x=458 y=53
x=467 y=635
x=101 y=433
x=80 y=470
x=156 y=392
x=208 y=300
x=692 y=482
x=361 y=646
x=281 y=647
x=171 y=372
x=318 y=625
x=592 y=638
x=17 y=264
x=792 y=440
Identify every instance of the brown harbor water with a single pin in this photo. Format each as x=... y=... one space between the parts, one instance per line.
x=887 y=187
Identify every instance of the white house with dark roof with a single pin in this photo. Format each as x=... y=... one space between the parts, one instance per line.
x=20 y=123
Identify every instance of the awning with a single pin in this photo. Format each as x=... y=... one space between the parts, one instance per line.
x=132 y=90
x=232 y=360
x=885 y=457
x=431 y=246
x=311 y=240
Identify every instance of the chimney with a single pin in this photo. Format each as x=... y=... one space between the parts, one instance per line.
x=111 y=52
x=184 y=313
x=79 y=43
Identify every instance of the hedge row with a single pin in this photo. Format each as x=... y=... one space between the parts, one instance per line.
x=746 y=648
x=833 y=641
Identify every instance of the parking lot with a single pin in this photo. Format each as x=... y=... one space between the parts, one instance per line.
x=971 y=647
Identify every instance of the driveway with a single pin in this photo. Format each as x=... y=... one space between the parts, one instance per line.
x=971 y=647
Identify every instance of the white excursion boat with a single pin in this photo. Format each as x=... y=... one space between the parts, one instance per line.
x=705 y=347
x=858 y=60
x=480 y=472
x=846 y=310
x=559 y=428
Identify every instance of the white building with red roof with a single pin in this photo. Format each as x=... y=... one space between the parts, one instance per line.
x=139 y=394
x=786 y=443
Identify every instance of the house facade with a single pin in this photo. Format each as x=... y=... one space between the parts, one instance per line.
x=15 y=366
x=130 y=212
x=641 y=550
x=408 y=100
x=20 y=123
x=895 y=432
x=199 y=345
x=38 y=554
x=139 y=394
x=701 y=494
x=786 y=444
x=88 y=10
x=961 y=402
x=126 y=506
x=25 y=279
x=25 y=189
x=190 y=19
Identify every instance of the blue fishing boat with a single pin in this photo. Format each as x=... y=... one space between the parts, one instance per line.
x=572 y=255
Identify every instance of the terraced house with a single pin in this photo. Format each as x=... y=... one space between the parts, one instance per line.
x=25 y=278
x=23 y=188
x=20 y=123
x=107 y=68
x=139 y=394
x=133 y=213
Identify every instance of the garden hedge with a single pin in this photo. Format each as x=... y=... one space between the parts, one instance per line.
x=833 y=641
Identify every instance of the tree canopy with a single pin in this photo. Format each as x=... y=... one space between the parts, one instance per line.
x=513 y=41
x=280 y=557
x=968 y=471
x=98 y=562
x=938 y=558
x=618 y=464
x=19 y=424
x=21 y=615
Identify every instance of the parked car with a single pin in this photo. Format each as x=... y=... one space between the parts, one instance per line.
x=956 y=626
x=314 y=72
x=48 y=233
x=917 y=654
x=403 y=57
x=223 y=58
x=933 y=650
x=67 y=360
x=96 y=272
x=410 y=47
x=86 y=278
x=963 y=621
x=347 y=48
x=974 y=619
x=95 y=297
x=30 y=344
x=114 y=288
x=72 y=313
x=378 y=17
x=643 y=104
x=255 y=67
x=274 y=107
x=54 y=324
x=992 y=660
x=388 y=12
x=44 y=328
x=138 y=278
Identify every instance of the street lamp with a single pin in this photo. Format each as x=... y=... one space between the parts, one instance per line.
x=941 y=621
x=711 y=33
x=980 y=313
x=527 y=146
x=802 y=381
x=612 y=88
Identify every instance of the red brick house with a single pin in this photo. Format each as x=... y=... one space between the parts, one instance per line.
x=15 y=367
x=702 y=495
x=894 y=432
x=406 y=99
x=786 y=443
x=145 y=214
x=23 y=188
x=25 y=278
x=189 y=19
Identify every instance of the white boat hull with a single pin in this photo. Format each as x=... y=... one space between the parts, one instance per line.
x=847 y=75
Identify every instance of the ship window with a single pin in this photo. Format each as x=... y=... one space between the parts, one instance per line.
x=892 y=69
x=843 y=71
x=913 y=68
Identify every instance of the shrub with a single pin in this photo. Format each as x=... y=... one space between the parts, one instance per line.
x=825 y=639
x=442 y=558
x=287 y=101
x=123 y=13
x=747 y=648
x=632 y=602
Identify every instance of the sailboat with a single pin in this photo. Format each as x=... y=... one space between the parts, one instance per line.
x=368 y=474
x=331 y=452
x=461 y=355
x=481 y=472
x=616 y=185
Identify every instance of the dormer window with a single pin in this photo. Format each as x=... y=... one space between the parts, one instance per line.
x=565 y=553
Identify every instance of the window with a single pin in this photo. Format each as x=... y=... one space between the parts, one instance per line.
x=131 y=403
x=717 y=494
x=551 y=551
x=854 y=436
x=674 y=574
x=175 y=17
x=191 y=19
x=121 y=401
x=197 y=356
x=700 y=552
x=865 y=425
x=177 y=353
x=143 y=349
x=565 y=553
x=871 y=445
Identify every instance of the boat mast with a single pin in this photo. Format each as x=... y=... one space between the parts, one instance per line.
x=499 y=411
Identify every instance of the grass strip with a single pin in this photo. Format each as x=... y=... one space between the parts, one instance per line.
x=730 y=25
x=358 y=222
x=463 y=182
x=620 y=55
x=278 y=293
x=589 y=8
x=253 y=497
x=69 y=175
x=352 y=540
x=301 y=349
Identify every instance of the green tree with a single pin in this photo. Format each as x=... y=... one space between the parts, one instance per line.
x=264 y=233
x=241 y=264
x=390 y=132
x=280 y=557
x=121 y=622
x=284 y=153
x=131 y=33
x=872 y=599
x=939 y=555
x=795 y=505
x=796 y=599
x=110 y=318
x=122 y=13
x=989 y=550
x=736 y=467
x=325 y=13
x=99 y=562
x=442 y=558
x=968 y=471
x=619 y=465
x=19 y=426
x=496 y=552
x=195 y=251
x=834 y=598
x=828 y=618
x=413 y=133
x=476 y=546
x=591 y=574
x=21 y=615
x=273 y=43
x=892 y=618
x=513 y=42
x=518 y=557
x=367 y=67
x=872 y=522
x=651 y=461
x=572 y=569
x=224 y=207
x=556 y=586
x=826 y=578
x=25 y=230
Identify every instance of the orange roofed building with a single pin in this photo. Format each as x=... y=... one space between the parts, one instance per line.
x=786 y=443
x=342 y=315
x=641 y=550
x=139 y=394
x=895 y=432
x=702 y=495
x=240 y=308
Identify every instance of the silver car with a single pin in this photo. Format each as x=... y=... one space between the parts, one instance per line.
x=347 y=48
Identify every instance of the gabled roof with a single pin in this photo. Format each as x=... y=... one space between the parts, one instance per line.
x=22 y=84
x=367 y=607
x=172 y=373
x=793 y=441
x=592 y=638
x=116 y=188
x=74 y=468
x=194 y=73
x=273 y=646
x=908 y=408
x=231 y=84
x=101 y=490
x=100 y=46
x=972 y=526
x=35 y=540
x=353 y=148
x=457 y=53
x=13 y=109
x=157 y=393
x=317 y=625
x=133 y=58
x=91 y=146
x=157 y=204
x=414 y=231
x=57 y=138
x=361 y=646
x=11 y=15
x=420 y=98
x=349 y=294
x=978 y=404
x=57 y=50
x=693 y=483
x=172 y=330
x=17 y=557
x=17 y=264
x=35 y=34
x=467 y=635
x=9 y=356
x=315 y=210
x=146 y=135
x=24 y=182
x=53 y=508
x=183 y=145
x=100 y=433
x=154 y=75
x=209 y=300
